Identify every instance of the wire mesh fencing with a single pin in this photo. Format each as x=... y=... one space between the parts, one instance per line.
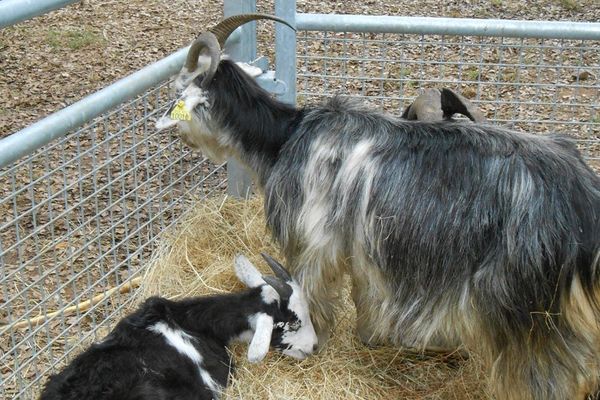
x=532 y=85
x=78 y=222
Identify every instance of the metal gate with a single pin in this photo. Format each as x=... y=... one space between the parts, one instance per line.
x=87 y=192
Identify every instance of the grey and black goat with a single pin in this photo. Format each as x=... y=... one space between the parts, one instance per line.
x=454 y=233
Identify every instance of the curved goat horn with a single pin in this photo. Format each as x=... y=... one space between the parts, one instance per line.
x=426 y=107
x=215 y=38
x=452 y=102
x=226 y=27
x=277 y=268
x=209 y=41
x=283 y=289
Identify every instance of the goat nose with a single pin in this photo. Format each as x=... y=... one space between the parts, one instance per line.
x=315 y=348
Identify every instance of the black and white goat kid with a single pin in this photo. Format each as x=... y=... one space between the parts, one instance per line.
x=176 y=349
x=454 y=234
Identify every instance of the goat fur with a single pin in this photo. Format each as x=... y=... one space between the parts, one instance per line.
x=454 y=234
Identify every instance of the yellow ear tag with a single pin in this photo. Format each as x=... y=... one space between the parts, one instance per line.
x=180 y=113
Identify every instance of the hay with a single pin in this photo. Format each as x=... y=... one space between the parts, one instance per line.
x=196 y=257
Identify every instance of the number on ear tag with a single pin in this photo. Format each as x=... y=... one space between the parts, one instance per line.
x=180 y=113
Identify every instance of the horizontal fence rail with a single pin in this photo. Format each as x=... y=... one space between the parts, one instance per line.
x=448 y=26
x=534 y=76
x=60 y=123
x=15 y=11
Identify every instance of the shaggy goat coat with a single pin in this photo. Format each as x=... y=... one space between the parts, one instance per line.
x=453 y=234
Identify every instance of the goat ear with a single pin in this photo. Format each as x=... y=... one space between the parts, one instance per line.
x=246 y=272
x=406 y=112
x=426 y=107
x=261 y=341
x=453 y=103
x=165 y=122
x=204 y=61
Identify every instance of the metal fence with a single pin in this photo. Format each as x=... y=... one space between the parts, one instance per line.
x=79 y=217
x=530 y=76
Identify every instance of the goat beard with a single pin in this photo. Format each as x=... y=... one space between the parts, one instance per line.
x=206 y=143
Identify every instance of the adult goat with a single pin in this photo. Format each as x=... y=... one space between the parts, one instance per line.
x=453 y=233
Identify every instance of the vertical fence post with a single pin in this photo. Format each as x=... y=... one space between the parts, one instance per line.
x=285 y=49
x=239 y=181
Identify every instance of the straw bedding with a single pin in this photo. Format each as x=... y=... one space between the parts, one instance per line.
x=195 y=258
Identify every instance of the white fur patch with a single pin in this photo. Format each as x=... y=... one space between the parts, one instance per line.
x=182 y=342
x=178 y=339
x=269 y=295
x=356 y=159
x=263 y=329
x=303 y=340
x=191 y=97
x=246 y=272
x=165 y=122
x=316 y=206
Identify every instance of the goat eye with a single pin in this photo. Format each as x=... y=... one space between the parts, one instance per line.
x=294 y=325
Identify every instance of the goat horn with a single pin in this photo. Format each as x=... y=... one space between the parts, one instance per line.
x=209 y=41
x=452 y=102
x=283 y=289
x=277 y=268
x=215 y=39
x=226 y=27
x=426 y=107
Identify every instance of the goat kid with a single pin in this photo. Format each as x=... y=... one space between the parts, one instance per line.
x=176 y=349
x=454 y=234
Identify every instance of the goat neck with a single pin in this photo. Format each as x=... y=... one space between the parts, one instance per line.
x=256 y=125
x=222 y=317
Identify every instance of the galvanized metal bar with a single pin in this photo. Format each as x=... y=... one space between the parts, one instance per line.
x=448 y=26
x=239 y=181
x=285 y=49
x=62 y=122
x=15 y=11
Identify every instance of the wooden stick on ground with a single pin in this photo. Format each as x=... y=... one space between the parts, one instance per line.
x=83 y=306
